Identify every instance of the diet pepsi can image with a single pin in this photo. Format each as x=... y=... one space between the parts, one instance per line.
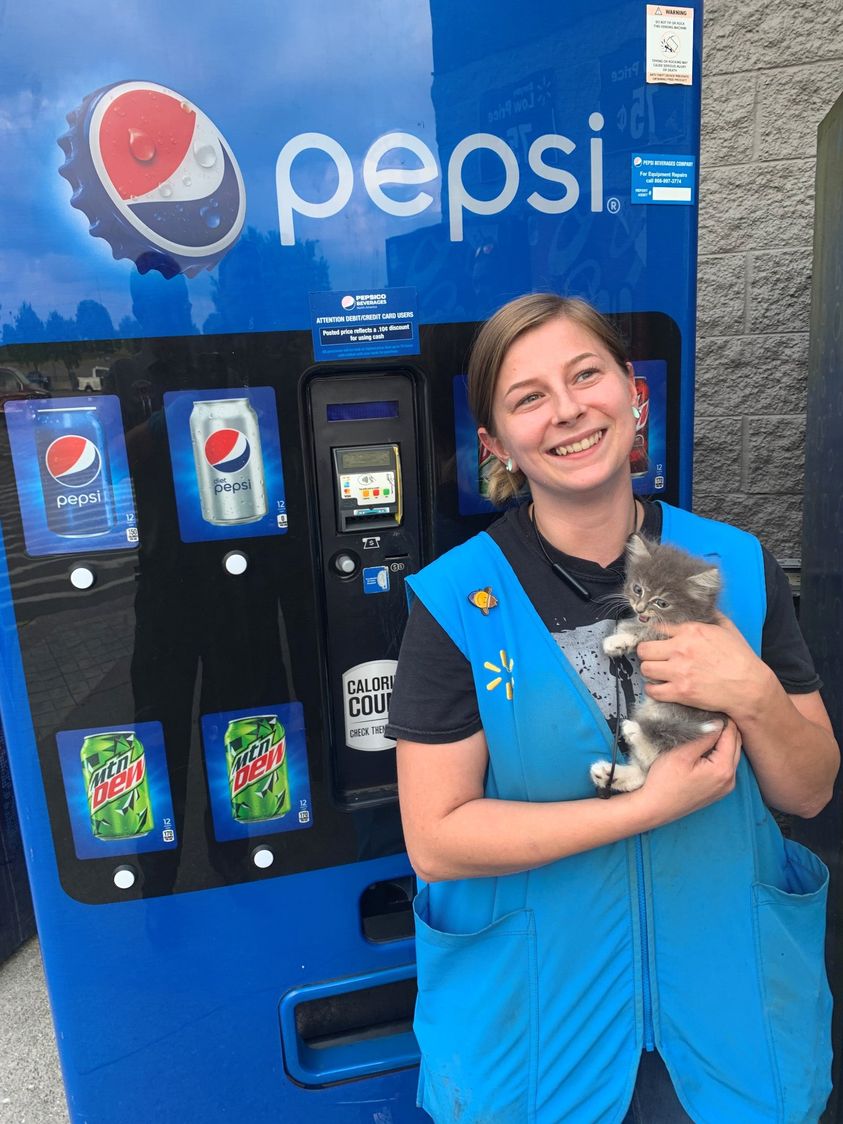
x=256 y=758
x=116 y=784
x=75 y=474
x=640 y=456
x=229 y=461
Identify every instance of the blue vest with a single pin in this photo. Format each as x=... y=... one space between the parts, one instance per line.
x=703 y=938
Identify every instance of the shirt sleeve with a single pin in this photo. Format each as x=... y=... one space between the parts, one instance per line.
x=783 y=647
x=433 y=698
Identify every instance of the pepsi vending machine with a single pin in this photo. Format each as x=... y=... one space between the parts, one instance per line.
x=247 y=254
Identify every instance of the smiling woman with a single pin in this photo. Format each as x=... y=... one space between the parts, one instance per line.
x=543 y=906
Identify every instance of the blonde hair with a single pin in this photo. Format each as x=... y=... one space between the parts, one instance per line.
x=490 y=347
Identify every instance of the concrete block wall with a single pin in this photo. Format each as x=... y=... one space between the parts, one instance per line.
x=770 y=74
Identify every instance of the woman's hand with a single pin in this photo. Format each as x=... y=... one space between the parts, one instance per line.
x=691 y=776
x=709 y=666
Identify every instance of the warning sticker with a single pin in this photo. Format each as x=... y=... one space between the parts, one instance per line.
x=670 y=44
x=366 y=691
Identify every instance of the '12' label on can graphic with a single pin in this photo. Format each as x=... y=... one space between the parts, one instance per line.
x=116 y=784
x=73 y=464
x=256 y=758
x=229 y=461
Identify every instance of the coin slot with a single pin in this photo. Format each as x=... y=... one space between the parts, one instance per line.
x=386 y=910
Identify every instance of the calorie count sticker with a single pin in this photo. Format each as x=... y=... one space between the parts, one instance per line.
x=367 y=689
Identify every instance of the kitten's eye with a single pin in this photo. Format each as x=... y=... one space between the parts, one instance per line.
x=660 y=603
x=637 y=590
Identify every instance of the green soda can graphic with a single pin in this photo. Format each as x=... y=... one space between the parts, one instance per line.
x=256 y=756
x=114 y=768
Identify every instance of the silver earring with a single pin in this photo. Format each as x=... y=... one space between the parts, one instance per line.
x=636 y=413
x=508 y=466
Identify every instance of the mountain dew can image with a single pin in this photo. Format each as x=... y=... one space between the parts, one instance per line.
x=256 y=756
x=114 y=768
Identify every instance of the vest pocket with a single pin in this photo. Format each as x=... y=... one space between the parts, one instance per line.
x=477 y=1019
x=790 y=925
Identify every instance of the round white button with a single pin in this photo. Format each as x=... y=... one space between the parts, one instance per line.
x=263 y=858
x=235 y=562
x=124 y=878
x=345 y=564
x=82 y=578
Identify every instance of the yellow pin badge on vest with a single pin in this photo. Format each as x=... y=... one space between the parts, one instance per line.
x=483 y=599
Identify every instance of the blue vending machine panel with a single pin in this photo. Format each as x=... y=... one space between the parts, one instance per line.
x=245 y=255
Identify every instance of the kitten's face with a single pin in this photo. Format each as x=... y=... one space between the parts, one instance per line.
x=665 y=585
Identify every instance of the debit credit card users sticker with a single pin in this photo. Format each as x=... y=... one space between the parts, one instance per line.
x=473 y=459
x=117 y=789
x=226 y=457
x=649 y=451
x=256 y=762
x=72 y=476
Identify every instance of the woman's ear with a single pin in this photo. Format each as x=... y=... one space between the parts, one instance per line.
x=633 y=393
x=494 y=446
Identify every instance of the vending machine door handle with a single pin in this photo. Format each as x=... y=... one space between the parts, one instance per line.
x=353 y=1027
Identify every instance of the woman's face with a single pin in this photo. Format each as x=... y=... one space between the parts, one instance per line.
x=562 y=409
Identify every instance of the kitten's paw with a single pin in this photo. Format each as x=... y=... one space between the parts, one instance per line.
x=630 y=729
x=600 y=772
x=710 y=727
x=626 y=778
x=618 y=644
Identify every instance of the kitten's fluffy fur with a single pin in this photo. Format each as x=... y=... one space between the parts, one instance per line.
x=664 y=585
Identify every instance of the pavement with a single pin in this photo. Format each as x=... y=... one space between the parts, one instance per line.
x=31 y=1090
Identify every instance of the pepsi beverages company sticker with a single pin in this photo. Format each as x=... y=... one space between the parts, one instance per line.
x=72 y=476
x=226 y=456
x=256 y=765
x=117 y=789
x=663 y=178
x=363 y=324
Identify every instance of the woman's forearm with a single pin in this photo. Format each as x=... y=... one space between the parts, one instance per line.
x=794 y=754
x=485 y=837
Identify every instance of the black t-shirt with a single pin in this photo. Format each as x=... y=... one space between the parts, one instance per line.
x=433 y=698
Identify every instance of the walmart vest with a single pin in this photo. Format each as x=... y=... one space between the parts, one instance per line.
x=702 y=938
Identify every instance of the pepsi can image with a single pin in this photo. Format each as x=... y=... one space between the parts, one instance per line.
x=229 y=461
x=74 y=469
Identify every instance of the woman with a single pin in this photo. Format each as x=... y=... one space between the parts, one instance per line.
x=574 y=951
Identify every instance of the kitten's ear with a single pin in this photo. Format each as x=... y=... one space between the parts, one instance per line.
x=706 y=582
x=637 y=548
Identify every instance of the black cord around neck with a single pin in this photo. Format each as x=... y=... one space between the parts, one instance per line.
x=560 y=571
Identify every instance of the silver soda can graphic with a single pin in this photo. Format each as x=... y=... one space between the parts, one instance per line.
x=229 y=461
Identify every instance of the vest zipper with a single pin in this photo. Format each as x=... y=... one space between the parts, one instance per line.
x=649 y=1034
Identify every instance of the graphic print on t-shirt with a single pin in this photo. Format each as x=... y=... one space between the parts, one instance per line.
x=583 y=648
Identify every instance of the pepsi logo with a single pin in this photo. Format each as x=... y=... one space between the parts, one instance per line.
x=73 y=461
x=227 y=450
x=155 y=177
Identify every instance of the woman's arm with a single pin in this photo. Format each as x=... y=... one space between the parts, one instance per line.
x=453 y=831
x=788 y=738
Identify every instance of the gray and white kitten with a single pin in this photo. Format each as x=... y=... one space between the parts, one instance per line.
x=664 y=585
